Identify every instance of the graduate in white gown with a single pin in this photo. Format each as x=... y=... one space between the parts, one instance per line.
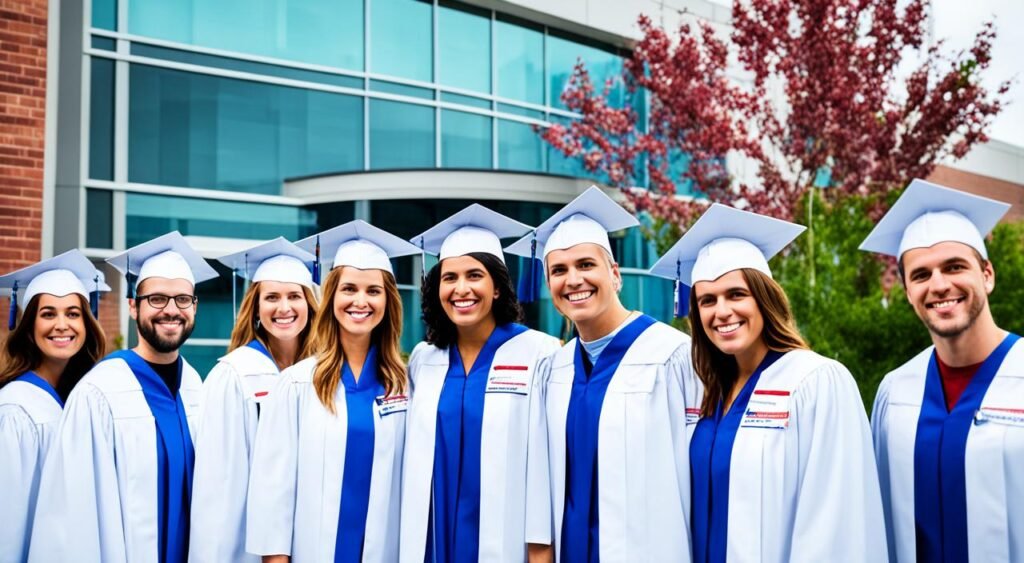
x=473 y=380
x=949 y=424
x=608 y=472
x=46 y=353
x=327 y=466
x=781 y=459
x=272 y=333
x=117 y=482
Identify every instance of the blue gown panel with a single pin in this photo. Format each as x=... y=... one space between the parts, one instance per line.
x=31 y=377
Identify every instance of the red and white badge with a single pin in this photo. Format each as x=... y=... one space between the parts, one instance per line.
x=1000 y=415
x=692 y=415
x=512 y=379
x=768 y=408
x=392 y=405
x=260 y=396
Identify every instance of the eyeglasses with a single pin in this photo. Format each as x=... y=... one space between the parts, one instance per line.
x=159 y=301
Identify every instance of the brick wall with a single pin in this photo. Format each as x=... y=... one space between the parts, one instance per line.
x=22 y=129
x=984 y=186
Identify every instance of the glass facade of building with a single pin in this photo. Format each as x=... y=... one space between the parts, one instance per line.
x=199 y=111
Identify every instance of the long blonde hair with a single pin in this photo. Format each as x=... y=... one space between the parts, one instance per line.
x=717 y=370
x=246 y=331
x=331 y=356
x=22 y=354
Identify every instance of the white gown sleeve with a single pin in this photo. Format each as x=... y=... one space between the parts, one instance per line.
x=78 y=516
x=270 y=511
x=221 y=478
x=878 y=432
x=19 y=480
x=837 y=487
x=539 y=517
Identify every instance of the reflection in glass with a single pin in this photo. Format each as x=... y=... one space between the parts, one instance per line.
x=464 y=42
x=519 y=57
x=101 y=119
x=99 y=218
x=324 y=32
x=563 y=52
x=402 y=39
x=519 y=148
x=401 y=135
x=465 y=140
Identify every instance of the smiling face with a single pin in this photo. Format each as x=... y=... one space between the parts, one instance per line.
x=59 y=326
x=584 y=282
x=164 y=330
x=360 y=301
x=948 y=286
x=730 y=315
x=282 y=308
x=466 y=291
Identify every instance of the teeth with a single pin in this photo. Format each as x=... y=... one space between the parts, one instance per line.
x=944 y=304
x=463 y=304
x=359 y=314
x=285 y=321
x=579 y=296
x=61 y=338
x=726 y=329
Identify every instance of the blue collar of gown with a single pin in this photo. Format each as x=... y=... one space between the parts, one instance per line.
x=940 y=447
x=454 y=528
x=710 y=461
x=259 y=347
x=32 y=378
x=175 y=455
x=580 y=522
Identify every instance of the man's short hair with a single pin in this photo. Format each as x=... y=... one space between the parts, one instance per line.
x=977 y=256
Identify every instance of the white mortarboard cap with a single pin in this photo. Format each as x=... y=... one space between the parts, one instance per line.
x=722 y=240
x=587 y=219
x=276 y=260
x=167 y=256
x=927 y=214
x=360 y=245
x=474 y=229
x=70 y=272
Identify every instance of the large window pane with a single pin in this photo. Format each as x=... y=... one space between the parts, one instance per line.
x=519 y=148
x=101 y=120
x=219 y=133
x=402 y=39
x=520 y=59
x=327 y=32
x=464 y=41
x=104 y=14
x=203 y=358
x=99 y=219
x=562 y=54
x=150 y=216
x=465 y=140
x=401 y=135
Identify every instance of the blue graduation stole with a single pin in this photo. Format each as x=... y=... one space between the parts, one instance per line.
x=580 y=520
x=710 y=460
x=259 y=347
x=454 y=528
x=31 y=377
x=175 y=456
x=940 y=489
x=355 y=487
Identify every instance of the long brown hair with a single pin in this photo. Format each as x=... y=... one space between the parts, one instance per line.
x=331 y=356
x=718 y=371
x=21 y=353
x=246 y=331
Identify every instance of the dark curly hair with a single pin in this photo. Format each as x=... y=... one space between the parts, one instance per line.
x=441 y=331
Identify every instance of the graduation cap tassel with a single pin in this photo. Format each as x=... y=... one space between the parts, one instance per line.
x=423 y=262
x=316 y=263
x=12 y=317
x=530 y=279
x=128 y=276
x=94 y=298
x=234 y=294
x=682 y=294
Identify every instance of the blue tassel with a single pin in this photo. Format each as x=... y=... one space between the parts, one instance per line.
x=128 y=277
x=12 y=317
x=423 y=262
x=316 y=263
x=94 y=299
x=682 y=294
x=531 y=276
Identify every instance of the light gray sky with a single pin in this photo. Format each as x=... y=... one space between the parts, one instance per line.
x=958 y=20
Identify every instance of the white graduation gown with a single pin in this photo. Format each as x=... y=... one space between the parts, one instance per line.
x=232 y=392
x=647 y=417
x=809 y=491
x=28 y=420
x=98 y=493
x=298 y=467
x=507 y=422
x=994 y=460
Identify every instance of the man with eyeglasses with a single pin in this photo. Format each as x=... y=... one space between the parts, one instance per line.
x=117 y=485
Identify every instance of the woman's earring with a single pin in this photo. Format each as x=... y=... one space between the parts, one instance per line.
x=256 y=324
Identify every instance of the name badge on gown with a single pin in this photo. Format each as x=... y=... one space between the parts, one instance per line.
x=511 y=379
x=260 y=396
x=768 y=408
x=1000 y=415
x=692 y=415
x=391 y=405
